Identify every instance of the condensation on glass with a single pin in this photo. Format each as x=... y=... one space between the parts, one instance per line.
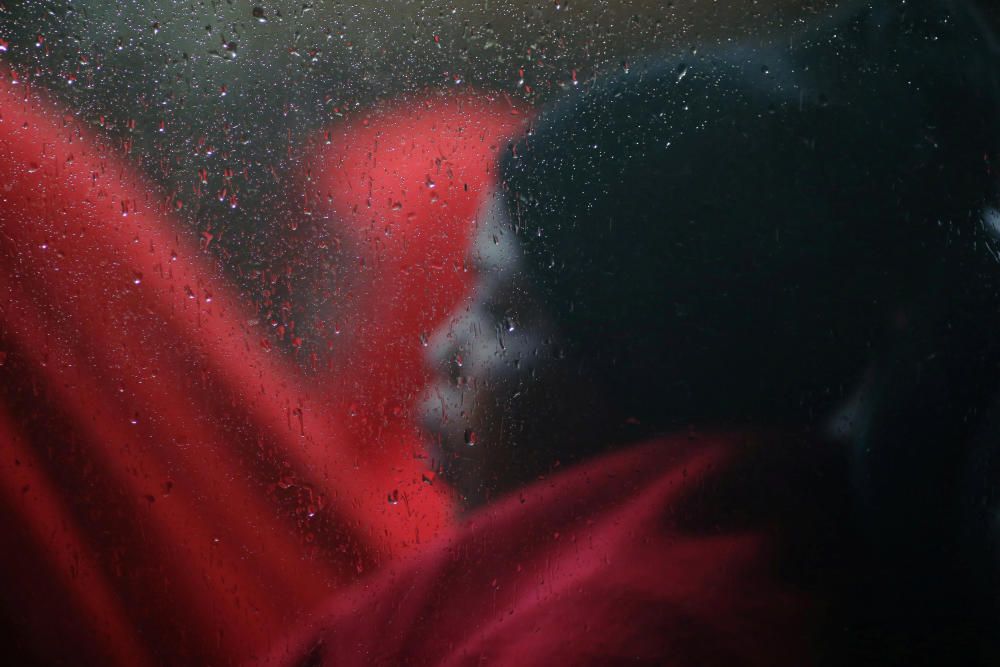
x=499 y=332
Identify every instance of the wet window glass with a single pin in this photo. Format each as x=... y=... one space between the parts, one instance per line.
x=508 y=332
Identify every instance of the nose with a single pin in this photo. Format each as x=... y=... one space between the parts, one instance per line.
x=470 y=335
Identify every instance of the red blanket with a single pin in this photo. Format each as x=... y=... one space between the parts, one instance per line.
x=175 y=490
x=590 y=567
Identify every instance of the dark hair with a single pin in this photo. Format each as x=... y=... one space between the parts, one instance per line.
x=752 y=236
x=736 y=234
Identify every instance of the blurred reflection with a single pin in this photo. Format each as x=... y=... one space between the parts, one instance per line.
x=347 y=333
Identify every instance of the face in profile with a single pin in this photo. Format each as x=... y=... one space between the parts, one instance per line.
x=490 y=359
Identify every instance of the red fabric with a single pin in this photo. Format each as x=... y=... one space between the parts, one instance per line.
x=178 y=491
x=590 y=567
x=173 y=490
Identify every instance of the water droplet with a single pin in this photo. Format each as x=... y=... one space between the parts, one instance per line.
x=470 y=437
x=682 y=71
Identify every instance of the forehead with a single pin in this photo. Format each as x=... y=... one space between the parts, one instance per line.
x=496 y=250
